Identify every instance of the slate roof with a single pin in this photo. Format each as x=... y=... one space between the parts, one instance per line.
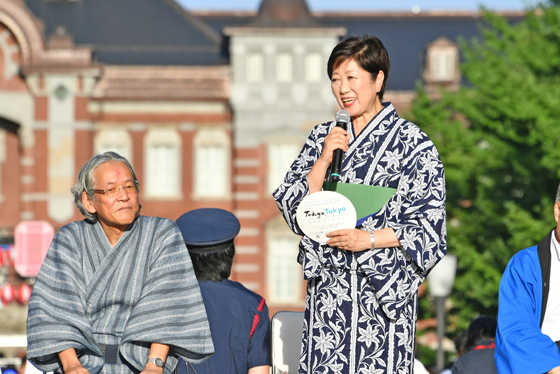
x=133 y=32
x=161 y=32
x=405 y=35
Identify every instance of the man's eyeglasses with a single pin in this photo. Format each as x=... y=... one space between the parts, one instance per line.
x=130 y=189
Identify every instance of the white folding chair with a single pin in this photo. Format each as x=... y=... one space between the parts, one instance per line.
x=287 y=330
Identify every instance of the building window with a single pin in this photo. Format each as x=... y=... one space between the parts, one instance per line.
x=3 y=157
x=284 y=67
x=283 y=271
x=162 y=164
x=280 y=157
x=442 y=61
x=255 y=67
x=442 y=67
x=313 y=67
x=116 y=140
x=212 y=164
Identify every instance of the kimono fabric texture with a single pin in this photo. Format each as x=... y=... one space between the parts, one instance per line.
x=140 y=291
x=361 y=307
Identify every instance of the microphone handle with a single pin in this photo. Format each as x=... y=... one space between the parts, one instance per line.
x=338 y=154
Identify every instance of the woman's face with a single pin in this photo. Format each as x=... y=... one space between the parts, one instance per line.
x=355 y=90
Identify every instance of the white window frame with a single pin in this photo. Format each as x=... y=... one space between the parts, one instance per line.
x=443 y=64
x=284 y=274
x=280 y=156
x=114 y=139
x=212 y=181
x=314 y=67
x=162 y=178
x=284 y=67
x=254 y=65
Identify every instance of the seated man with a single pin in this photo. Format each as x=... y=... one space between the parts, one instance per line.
x=238 y=317
x=116 y=292
x=528 y=331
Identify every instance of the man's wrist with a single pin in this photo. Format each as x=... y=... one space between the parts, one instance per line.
x=155 y=363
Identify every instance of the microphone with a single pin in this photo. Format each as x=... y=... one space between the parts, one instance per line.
x=342 y=118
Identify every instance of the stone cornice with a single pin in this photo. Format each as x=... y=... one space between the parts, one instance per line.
x=164 y=82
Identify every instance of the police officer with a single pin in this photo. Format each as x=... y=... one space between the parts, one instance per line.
x=238 y=317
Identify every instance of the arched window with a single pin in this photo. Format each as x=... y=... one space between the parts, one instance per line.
x=116 y=140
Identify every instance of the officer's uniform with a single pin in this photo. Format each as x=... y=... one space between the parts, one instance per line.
x=238 y=317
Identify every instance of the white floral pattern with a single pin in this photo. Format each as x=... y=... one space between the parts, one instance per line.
x=361 y=307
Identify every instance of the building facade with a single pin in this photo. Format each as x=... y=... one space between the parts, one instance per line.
x=210 y=108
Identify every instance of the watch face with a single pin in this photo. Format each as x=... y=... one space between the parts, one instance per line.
x=157 y=361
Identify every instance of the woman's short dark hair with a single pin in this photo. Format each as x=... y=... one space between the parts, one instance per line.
x=213 y=266
x=367 y=51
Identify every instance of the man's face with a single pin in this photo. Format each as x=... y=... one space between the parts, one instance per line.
x=118 y=211
x=557 y=218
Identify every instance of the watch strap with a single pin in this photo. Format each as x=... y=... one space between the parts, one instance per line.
x=372 y=240
x=156 y=361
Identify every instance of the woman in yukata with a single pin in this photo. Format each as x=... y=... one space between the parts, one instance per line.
x=361 y=304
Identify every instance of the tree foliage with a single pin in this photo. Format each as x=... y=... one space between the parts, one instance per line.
x=499 y=140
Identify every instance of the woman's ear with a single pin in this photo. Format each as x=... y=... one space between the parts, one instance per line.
x=88 y=204
x=379 y=80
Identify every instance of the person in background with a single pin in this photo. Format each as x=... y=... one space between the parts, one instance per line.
x=116 y=292
x=528 y=333
x=238 y=317
x=479 y=348
x=362 y=299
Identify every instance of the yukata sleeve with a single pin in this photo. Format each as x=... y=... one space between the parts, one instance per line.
x=260 y=348
x=416 y=213
x=418 y=209
x=521 y=347
x=295 y=186
x=57 y=315
x=170 y=310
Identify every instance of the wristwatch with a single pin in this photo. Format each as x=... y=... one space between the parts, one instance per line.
x=372 y=240
x=156 y=361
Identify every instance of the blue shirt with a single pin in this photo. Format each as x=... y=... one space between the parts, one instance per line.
x=240 y=328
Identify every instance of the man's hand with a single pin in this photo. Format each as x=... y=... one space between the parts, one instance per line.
x=556 y=370
x=151 y=370
x=70 y=362
x=79 y=369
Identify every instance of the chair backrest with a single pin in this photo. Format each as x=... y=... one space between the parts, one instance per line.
x=287 y=331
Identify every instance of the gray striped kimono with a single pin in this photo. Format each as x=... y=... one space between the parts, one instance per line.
x=143 y=290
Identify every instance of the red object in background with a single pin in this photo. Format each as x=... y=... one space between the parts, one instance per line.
x=7 y=293
x=23 y=293
x=6 y=255
x=32 y=241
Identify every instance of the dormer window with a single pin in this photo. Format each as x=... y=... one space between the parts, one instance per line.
x=442 y=65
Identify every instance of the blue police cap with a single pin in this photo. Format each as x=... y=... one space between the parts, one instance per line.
x=208 y=230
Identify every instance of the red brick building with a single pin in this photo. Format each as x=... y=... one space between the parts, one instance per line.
x=210 y=108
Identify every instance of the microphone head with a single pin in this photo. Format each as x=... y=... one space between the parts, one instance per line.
x=342 y=116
